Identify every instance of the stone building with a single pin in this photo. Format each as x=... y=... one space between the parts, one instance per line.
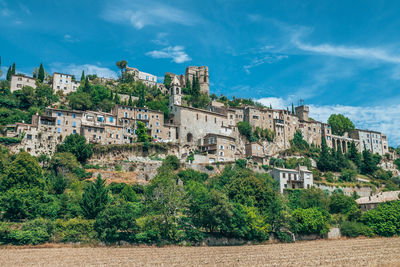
x=371 y=202
x=65 y=83
x=20 y=81
x=256 y=151
x=372 y=140
x=300 y=177
x=201 y=72
x=129 y=116
x=218 y=148
x=146 y=78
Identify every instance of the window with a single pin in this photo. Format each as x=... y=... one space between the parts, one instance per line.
x=221 y=147
x=29 y=136
x=74 y=124
x=284 y=175
x=111 y=119
x=58 y=122
x=74 y=131
x=58 y=130
x=74 y=115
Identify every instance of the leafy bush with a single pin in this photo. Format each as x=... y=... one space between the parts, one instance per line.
x=354 y=229
x=339 y=203
x=31 y=233
x=74 y=230
x=309 y=221
x=348 y=175
x=209 y=167
x=385 y=219
x=241 y=163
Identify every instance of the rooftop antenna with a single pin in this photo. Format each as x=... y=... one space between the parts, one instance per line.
x=301 y=102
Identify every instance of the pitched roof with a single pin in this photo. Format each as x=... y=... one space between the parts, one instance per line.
x=379 y=198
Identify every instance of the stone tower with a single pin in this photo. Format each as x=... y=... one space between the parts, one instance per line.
x=175 y=93
x=201 y=72
x=302 y=112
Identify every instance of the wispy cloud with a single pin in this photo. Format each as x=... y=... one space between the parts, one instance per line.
x=88 y=68
x=161 y=39
x=353 y=52
x=176 y=53
x=4 y=10
x=145 y=13
x=68 y=38
x=269 y=59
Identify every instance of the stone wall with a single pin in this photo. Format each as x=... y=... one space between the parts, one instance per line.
x=363 y=191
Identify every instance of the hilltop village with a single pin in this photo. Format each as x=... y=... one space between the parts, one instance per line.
x=211 y=130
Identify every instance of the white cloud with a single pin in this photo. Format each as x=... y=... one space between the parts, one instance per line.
x=354 y=52
x=88 y=68
x=275 y=102
x=269 y=59
x=176 y=53
x=141 y=14
x=68 y=38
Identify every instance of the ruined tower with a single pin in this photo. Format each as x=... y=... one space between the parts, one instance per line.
x=201 y=72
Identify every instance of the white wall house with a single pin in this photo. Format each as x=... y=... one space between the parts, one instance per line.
x=63 y=82
x=20 y=81
x=300 y=177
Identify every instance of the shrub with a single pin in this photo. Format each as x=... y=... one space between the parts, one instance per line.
x=209 y=167
x=348 y=175
x=385 y=219
x=74 y=230
x=354 y=229
x=33 y=232
x=241 y=163
x=339 y=203
x=309 y=221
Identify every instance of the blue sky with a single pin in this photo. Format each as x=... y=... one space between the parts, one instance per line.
x=339 y=56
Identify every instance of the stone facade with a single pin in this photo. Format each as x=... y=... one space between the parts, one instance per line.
x=371 y=140
x=146 y=78
x=65 y=83
x=20 y=81
x=218 y=148
x=201 y=72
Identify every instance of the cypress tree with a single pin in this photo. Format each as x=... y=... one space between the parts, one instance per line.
x=86 y=87
x=130 y=103
x=9 y=74
x=83 y=76
x=270 y=106
x=368 y=166
x=353 y=155
x=324 y=161
x=94 y=199
x=41 y=73
x=292 y=108
x=13 y=69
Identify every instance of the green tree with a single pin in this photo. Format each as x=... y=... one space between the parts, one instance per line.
x=244 y=128
x=324 y=162
x=167 y=81
x=23 y=172
x=83 y=76
x=41 y=73
x=353 y=154
x=9 y=74
x=385 y=219
x=95 y=198
x=122 y=66
x=118 y=222
x=141 y=132
x=13 y=71
x=76 y=144
x=368 y=165
x=339 y=203
x=80 y=101
x=309 y=221
x=298 y=141
x=340 y=124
